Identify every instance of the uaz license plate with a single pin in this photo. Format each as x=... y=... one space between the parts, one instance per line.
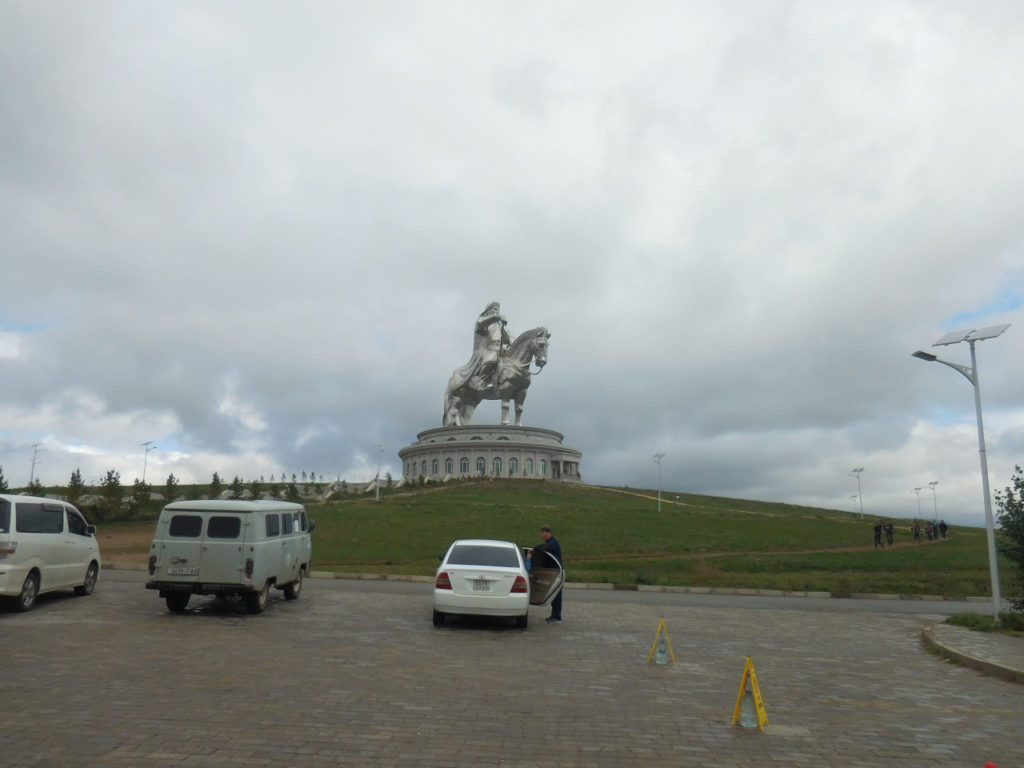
x=182 y=571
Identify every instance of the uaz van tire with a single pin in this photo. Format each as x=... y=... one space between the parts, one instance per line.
x=177 y=602
x=291 y=591
x=256 y=602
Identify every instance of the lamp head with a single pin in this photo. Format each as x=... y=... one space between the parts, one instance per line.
x=926 y=356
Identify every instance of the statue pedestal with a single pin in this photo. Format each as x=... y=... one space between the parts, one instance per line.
x=492 y=451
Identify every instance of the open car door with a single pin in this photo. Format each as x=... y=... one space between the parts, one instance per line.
x=546 y=577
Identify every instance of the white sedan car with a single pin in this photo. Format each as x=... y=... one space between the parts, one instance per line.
x=483 y=577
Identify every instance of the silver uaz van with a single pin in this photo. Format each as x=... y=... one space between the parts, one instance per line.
x=230 y=548
x=45 y=545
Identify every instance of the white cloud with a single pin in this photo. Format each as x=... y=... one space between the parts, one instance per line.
x=261 y=239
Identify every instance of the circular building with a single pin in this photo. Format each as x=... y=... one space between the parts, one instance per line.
x=494 y=451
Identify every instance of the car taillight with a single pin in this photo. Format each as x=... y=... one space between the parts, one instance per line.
x=443 y=582
x=520 y=585
x=8 y=548
x=152 y=564
x=248 y=568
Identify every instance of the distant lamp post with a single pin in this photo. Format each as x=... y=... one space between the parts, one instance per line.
x=380 y=452
x=657 y=460
x=854 y=500
x=972 y=336
x=860 y=496
x=148 y=445
x=935 y=502
x=917 y=492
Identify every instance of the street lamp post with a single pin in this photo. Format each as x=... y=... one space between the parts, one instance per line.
x=657 y=459
x=380 y=452
x=917 y=492
x=148 y=445
x=854 y=498
x=860 y=497
x=972 y=336
x=935 y=501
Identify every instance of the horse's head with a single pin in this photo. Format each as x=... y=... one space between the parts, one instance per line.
x=540 y=347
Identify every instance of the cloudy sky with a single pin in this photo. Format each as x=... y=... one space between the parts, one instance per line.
x=258 y=235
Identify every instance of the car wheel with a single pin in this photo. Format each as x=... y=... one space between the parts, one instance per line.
x=522 y=620
x=438 y=619
x=177 y=602
x=29 y=591
x=256 y=602
x=89 y=584
x=291 y=591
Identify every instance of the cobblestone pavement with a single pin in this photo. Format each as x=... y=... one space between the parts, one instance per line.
x=354 y=673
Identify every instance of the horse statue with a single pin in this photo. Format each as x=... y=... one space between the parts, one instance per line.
x=466 y=388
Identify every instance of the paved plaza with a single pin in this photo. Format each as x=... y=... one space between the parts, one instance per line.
x=354 y=673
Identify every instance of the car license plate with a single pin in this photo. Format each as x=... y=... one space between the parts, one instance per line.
x=182 y=571
x=481 y=585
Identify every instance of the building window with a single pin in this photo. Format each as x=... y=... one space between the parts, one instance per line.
x=529 y=466
x=513 y=466
x=449 y=466
x=481 y=465
x=434 y=467
x=423 y=467
x=543 y=468
x=497 y=466
x=464 y=466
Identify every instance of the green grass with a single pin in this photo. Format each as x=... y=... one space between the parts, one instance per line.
x=616 y=535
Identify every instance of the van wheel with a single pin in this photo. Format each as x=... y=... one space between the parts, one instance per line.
x=89 y=585
x=177 y=602
x=438 y=619
x=522 y=620
x=291 y=591
x=256 y=602
x=29 y=591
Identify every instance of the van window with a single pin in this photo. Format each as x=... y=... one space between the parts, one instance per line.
x=186 y=526
x=302 y=515
x=40 y=518
x=273 y=525
x=5 y=516
x=77 y=524
x=224 y=527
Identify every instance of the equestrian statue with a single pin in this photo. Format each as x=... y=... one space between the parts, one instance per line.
x=498 y=370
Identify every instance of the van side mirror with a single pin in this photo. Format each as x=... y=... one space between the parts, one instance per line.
x=312 y=525
x=440 y=558
x=91 y=530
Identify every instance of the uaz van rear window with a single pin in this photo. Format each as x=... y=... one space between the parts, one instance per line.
x=186 y=526
x=5 y=516
x=224 y=527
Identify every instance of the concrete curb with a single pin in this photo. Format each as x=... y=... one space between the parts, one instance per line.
x=986 y=667
x=626 y=587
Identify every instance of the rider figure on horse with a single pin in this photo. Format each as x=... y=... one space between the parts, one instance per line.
x=489 y=339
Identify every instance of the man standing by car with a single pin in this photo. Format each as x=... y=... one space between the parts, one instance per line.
x=553 y=548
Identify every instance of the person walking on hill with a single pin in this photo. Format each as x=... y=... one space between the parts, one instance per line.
x=943 y=528
x=888 y=531
x=916 y=530
x=878 y=535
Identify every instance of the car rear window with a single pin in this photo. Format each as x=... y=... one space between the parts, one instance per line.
x=5 y=516
x=40 y=518
x=273 y=525
x=479 y=554
x=186 y=526
x=224 y=527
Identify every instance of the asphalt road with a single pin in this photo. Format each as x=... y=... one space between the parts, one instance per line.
x=354 y=673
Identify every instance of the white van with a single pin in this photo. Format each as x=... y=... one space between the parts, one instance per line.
x=45 y=545
x=230 y=548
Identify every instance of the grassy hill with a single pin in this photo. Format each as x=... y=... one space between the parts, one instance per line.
x=616 y=535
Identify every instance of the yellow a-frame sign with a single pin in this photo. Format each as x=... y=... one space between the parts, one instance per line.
x=662 y=627
x=751 y=675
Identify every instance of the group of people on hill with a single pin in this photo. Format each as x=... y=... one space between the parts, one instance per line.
x=933 y=529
